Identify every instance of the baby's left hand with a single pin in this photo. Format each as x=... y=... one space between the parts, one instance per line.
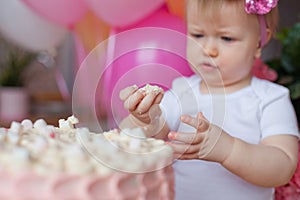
x=209 y=142
x=186 y=146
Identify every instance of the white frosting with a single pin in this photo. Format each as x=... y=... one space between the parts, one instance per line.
x=3 y=132
x=40 y=123
x=73 y=120
x=147 y=89
x=12 y=137
x=27 y=124
x=15 y=127
x=47 y=149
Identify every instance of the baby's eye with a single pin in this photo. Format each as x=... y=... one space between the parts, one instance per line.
x=196 y=35
x=227 y=39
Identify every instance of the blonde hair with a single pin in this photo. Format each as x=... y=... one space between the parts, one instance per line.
x=210 y=7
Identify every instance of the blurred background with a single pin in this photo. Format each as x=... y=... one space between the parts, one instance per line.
x=67 y=57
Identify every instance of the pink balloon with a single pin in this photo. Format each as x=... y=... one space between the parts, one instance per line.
x=63 y=12
x=153 y=51
x=121 y=13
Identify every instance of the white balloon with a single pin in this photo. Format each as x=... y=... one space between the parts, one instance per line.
x=26 y=29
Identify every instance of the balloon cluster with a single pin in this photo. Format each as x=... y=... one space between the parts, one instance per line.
x=145 y=39
x=42 y=25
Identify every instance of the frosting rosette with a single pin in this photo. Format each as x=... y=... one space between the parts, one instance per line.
x=260 y=7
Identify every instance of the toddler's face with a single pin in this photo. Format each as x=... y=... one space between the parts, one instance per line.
x=223 y=43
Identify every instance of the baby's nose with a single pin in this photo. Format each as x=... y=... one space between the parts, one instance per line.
x=210 y=49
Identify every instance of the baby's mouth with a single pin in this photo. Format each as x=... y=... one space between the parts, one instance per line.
x=208 y=66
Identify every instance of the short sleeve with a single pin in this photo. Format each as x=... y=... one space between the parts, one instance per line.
x=278 y=115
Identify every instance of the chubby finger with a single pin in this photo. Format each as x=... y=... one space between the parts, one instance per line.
x=186 y=156
x=159 y=98
x=146 y=103
x=199 y=123
x=183 y=148
x=126 y=92
x=188 y=138
x=133 y=101
x=150 y=117
x=155 y=112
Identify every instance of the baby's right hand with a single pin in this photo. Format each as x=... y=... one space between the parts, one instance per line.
x=139 y=101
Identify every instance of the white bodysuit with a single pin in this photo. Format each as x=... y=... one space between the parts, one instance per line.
x=251 y=114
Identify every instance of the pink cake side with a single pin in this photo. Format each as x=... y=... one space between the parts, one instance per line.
x=28 y=185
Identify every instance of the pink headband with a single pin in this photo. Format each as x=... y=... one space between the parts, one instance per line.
x=261 y=7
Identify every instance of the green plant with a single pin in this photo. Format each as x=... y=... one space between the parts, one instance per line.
x=13 y=64
x=288 y=65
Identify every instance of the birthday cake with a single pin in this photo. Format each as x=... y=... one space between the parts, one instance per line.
x=40 y=161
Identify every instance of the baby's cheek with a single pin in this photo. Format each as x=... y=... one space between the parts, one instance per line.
x=189 y=54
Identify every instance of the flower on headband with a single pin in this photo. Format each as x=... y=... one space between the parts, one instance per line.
x=260 y=7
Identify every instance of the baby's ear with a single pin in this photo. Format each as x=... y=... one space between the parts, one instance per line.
x=269 y=35
x=258 y=51
x=259 y=48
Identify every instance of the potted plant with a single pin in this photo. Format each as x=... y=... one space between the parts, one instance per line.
x=14 y=104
